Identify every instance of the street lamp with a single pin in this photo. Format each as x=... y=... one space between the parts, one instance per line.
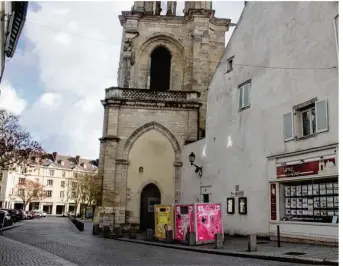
x=198 y=169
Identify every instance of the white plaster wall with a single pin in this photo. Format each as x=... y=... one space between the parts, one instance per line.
x=280 y=34
x=190 y=181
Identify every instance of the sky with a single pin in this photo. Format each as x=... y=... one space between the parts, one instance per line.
x=68 y=53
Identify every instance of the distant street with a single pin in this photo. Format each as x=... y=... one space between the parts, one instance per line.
x=63 y=245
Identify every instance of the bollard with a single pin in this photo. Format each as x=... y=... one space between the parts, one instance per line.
x=169 y=237
x=118 y=232
x=149 y=235
x=96 y=229
x=106 y=231
x=252 y=243
x=191 y=239
x=132 y=233
x=278 y=236
x=219 y=240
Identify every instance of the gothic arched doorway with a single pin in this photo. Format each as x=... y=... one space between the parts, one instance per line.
x=150 y=196
x=160 y=69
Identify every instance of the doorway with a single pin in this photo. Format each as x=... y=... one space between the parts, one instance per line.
x=160 y=69
x=150 y=196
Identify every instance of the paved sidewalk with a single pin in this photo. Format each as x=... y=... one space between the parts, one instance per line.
x=14 y=253
x=267 y=250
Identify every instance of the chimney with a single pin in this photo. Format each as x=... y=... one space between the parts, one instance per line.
x=54 y=156
x=77 y=158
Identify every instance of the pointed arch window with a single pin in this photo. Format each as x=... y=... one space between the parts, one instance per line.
x=160 y=69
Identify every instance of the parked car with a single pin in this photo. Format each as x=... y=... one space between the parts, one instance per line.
x=8 y=219
x=12 y=213
x=22 y=214
x=37 y=214
x=29 y=214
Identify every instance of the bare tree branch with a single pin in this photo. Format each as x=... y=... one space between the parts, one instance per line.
x=16 y=145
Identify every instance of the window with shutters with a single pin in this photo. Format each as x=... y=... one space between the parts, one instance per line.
x=244 y=95
x=306 y=120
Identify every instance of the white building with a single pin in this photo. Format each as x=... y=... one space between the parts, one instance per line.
x=272 y=124
x=13 y=16
x=54 y=173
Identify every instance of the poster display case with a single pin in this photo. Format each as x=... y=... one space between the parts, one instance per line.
x=205 y=219
x=164 y=220
x=312 y=201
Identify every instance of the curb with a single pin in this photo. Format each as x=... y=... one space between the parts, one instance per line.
x=290 y=259
x=10 y=227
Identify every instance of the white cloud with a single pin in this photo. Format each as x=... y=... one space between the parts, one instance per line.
x=74 y=71
x=10 y=99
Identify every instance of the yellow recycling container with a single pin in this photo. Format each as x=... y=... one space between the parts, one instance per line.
x=163 y=220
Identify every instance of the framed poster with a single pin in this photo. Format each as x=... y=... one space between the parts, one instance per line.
x=316 y=202
x=230 y=205
x=315 y=189
x=293 y=212
x=323 y=202
x=299 y=190
x=335 y=188
x=293 y=203
x=288 y=212
x=299 y=212
x=309 y=190
x=310 y=204
x=293 y=191
x=287 y=191
x=329 y=189
x=316 y=212
x=329 y=202
x=331 y=213
x=305 y=204
x=322 y=189
x=335 y=201
x=299 y=203
x=304 y=190
x=242 y=205
x=288 y=203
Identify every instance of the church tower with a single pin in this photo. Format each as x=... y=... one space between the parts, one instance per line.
x=166 y=63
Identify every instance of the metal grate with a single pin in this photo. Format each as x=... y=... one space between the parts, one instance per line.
x=295 y=253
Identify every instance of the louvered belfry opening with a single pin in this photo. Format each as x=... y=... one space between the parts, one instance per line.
x=160 y=69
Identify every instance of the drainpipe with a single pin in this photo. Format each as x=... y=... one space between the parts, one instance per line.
x=2 y=38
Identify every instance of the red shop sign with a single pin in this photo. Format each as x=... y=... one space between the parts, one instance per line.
x=302 y=169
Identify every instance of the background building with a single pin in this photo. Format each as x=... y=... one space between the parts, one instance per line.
x=272 y=124
x=166 y=63
x=13 y=16
x=55 y=172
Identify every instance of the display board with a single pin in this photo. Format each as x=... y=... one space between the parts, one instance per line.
x=315 y=201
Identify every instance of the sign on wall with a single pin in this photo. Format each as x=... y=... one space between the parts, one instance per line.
x=273 y=202
x=307 y=168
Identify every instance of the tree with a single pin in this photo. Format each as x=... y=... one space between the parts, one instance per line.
x=16 y=144
x=92 y=189
x=29 y=191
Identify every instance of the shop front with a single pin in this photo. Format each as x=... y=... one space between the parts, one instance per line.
x=304 y=196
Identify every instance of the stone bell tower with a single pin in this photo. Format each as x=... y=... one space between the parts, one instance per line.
x=166 y=63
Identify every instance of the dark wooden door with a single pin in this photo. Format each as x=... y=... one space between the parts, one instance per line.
x=150 y=196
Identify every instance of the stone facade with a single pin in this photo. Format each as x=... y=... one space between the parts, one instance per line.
x=196 y=43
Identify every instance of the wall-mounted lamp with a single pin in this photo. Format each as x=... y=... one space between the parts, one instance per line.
x=198 y=169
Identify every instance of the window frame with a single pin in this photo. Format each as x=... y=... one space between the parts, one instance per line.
x=63 y=183
x=51 y=172
x=229 y=61
x=47 y=195
x=242 y=88
x=50 y=181
x=297 y=119
x=308 y=110
x=293 y=131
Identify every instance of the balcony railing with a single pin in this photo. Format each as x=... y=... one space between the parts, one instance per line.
x=149 y=95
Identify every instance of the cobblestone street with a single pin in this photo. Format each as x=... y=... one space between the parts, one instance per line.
x=55 y=241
